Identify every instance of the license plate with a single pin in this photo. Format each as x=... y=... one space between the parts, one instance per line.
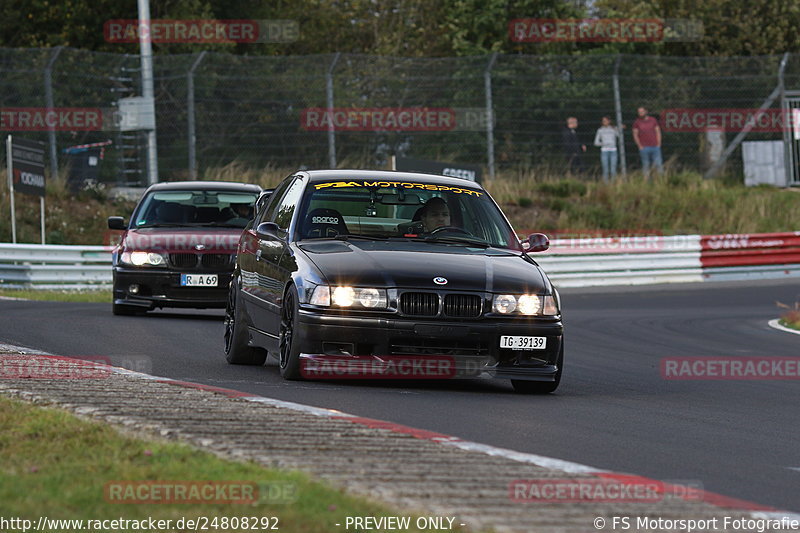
x=523 y=343
x=199 y=280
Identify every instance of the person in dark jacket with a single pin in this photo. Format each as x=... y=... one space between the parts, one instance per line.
x=573 y=148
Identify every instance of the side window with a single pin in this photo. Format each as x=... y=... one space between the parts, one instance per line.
x=285 y=211
x=265 y=214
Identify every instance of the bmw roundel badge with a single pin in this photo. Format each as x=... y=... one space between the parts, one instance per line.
x=439 y=280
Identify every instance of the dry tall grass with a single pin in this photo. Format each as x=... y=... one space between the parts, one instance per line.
x=673 y=204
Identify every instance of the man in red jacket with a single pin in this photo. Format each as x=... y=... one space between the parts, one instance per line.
x=647 y=135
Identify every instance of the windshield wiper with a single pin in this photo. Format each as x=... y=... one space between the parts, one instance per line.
x=350 y=236
x=459 y=240
x=215 y=225
x=162 y=225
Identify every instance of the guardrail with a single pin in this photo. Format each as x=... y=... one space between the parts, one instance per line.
x=579 y=262
x=583 y=262
x=50 y=266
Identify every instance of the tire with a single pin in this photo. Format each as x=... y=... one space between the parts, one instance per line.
x=237 y=351
x=522 y=386
x=288 y=352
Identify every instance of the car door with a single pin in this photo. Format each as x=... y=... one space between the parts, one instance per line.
x=250 y=250
x=273 y=265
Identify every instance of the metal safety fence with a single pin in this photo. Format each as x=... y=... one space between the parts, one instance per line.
x=504 y=112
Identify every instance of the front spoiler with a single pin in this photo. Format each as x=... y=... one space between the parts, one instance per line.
x=417 y=367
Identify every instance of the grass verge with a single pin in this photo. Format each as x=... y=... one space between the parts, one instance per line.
x=93 y=296
x=57 y=465
x=790 y=320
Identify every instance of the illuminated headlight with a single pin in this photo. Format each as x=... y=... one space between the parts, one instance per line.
x=344 y=296
x=525 y=304
x=143 y=258
x=528 y=304
x=354 y=297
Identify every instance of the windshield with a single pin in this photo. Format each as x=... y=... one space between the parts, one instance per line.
x=398 y=210
x=195 y=208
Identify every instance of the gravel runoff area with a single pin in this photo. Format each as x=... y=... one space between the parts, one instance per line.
x=413 y=471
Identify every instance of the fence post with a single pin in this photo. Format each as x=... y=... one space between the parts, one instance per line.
x=618 y=109
x=789 y=156
x=48 y=95
x=192 y=138
x=329 y=98
x=146 y=58
x=487 y=87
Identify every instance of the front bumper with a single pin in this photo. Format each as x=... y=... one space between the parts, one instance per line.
x=464 y=349
x=162 y=288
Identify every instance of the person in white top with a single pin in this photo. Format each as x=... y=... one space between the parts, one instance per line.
x=606 y=138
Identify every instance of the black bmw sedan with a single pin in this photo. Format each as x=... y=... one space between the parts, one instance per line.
x=377 y=274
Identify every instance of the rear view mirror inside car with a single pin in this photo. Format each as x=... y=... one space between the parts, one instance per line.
x=398 y=199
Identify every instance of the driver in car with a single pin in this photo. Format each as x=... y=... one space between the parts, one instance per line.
x=435 y=214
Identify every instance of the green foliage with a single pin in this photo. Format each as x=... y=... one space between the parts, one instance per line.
x=412 y=27
x=563 y=188
x=51 y=460
x=731 y=27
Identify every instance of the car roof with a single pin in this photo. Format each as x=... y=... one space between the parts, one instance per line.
x=231 y=186
x=316 y=176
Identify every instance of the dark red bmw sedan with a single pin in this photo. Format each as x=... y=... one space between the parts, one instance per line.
x=179 y=248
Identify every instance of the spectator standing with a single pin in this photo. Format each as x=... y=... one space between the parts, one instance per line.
x=647 y=134
x=572 y=146
x=606 y=138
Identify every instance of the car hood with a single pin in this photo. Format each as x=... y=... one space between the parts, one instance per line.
x=415 y=265
x=182 y=239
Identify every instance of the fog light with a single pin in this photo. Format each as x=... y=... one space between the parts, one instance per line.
x=133 y=289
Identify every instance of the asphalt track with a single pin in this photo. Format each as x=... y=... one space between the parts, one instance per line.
x=613 y=410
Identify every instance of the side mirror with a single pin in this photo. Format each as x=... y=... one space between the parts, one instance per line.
x=270 y=231
x=116 y=223
x=537 y=242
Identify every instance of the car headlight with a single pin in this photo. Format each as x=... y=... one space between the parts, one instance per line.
x=140 y=258
x=353 y=297
x=525 y=304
